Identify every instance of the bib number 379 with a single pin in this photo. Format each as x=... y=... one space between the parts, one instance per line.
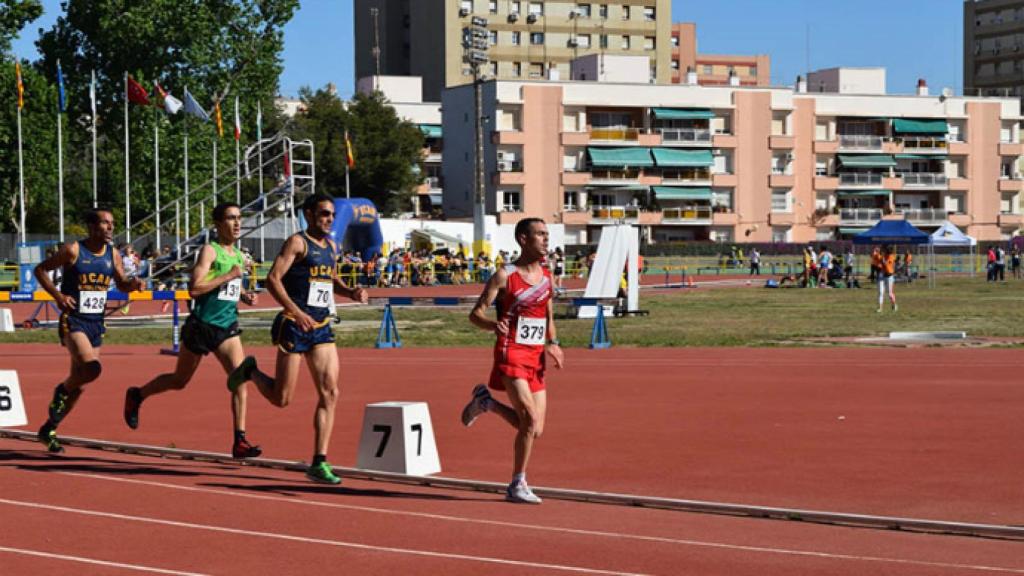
x=531 y=331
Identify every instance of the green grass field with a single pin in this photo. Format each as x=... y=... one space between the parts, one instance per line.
x=698 y=317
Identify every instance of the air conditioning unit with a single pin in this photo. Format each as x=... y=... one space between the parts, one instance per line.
x=513 y=17
x=531 y=18
x=505 y=156
x=573 y=43
x=463 y=12
x=504 y=166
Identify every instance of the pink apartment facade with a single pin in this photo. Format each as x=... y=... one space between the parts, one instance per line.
x=735 y=163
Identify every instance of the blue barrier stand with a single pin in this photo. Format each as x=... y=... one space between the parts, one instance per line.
x=175 y=334
x=388 y=337
x=599 y=335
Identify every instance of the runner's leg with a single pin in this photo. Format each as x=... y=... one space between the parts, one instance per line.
x=280 y=389
x=186 y=366
x=322 y=361
x=531 y=419
x=230 y=354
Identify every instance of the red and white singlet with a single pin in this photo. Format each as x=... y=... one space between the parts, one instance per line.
x=520 y=352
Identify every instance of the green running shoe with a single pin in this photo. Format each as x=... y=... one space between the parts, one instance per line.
x=322 y=473
x=241 y=373
x=48 y=436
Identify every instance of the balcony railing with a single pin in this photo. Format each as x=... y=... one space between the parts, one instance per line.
x=923 y=179
x=615 y=213
x=859 y=142
x=924 y=215
x=615 y=175
x=618 y=134
x=686 y=213
x=435 y=182
x=686 y=175
x=859 y=215
x=860 y=179
x=924 y=143
x=695 y=136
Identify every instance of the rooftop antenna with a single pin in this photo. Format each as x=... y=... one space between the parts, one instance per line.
x=376 y=44
x=807 y=51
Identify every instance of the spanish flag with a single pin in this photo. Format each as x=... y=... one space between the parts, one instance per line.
x=349 y=153
x=21 y=87
x=220 y=123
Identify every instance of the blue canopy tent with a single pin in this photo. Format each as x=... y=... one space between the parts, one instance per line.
x=899 y=232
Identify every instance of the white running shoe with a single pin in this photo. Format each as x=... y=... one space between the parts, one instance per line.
x=477 y=405
x=520 y=493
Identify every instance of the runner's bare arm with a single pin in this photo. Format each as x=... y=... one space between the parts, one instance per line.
x=293 y=248
x=123 y=282
x=478 y=316
x=199 y=284
x=553 y=347
x=67 y=254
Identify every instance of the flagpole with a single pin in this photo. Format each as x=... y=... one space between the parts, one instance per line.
x=177 y=228
x=186 y=185
x=60 y=174
x=259 y=144
x=215 y=170
x=92 y=94
x=156 y=172
x=127 y=186
x=21 y=179
x=238 y=158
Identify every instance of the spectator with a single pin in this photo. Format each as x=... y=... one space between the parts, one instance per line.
x=824 y=266
x=876 y=264
x=1000 y=264
x=1015 y=262
x=991 y=269
x=850 y=260
x=755 y=262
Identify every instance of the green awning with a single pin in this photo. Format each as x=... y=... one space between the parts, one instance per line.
x=867 y=160
x=915 y=157
x=683 y=113
x=908 y=126
x=619 y=157
x=863 y=193
x=852 y=230
x=431 y=130
x=671 y=193
x=671 y=158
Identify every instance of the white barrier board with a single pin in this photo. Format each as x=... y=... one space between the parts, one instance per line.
x=12 y=407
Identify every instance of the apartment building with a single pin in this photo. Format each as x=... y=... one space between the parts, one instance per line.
x=529 y=39
x=994 y=47
x=714 y=69
x=735 y=163
x=405 y=95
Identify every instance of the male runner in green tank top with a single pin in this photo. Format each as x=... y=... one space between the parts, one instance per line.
x=216 y=288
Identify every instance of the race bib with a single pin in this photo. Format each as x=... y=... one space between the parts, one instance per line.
x=531 y=331
x=92 y=302
x=230 y=291
x=320 y=295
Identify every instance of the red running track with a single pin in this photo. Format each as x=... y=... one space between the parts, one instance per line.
x=925 y=433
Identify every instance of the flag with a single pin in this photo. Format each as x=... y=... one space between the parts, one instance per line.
x=60 y=88
x=192 y=107
x=220 y=123
x=21 y=87
x=92 y=94
x=259 y=122
x=349 y=152
x=171 y=104
x=136 y=93
x=238 y=122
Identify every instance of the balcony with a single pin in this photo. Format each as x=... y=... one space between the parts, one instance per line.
x=700 y=176
x=924 y=180
x=508 y=137
x=925 y=144
x=924 y=216
x=860 y=180
x=510 y=178
x=959 y=184
x=781 y=142
x=433 y=158
x=859 y=216
x=785 y=218
x=1010 y=149
x=614 y=177
x=576 y=217
x=618 y=135
x=826 y=182
x=575 y=178
x=614 y=214
x=826 y=146
x=1008 y=185
x=684 y=136
x=1007 y=219
x=724 y=141
x=724 y=180
x=575 y=138
x=434 y=182
x=860 y=143
x=696 y=215
x=781 y=180
x=725 y=218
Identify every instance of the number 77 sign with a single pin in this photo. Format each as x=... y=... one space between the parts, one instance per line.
x=398 y=437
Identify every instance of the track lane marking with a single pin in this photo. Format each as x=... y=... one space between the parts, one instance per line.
x=136 y=567
x=556 y=529
x=322 y=541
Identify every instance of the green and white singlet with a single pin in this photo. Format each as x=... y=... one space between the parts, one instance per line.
x=220 y=307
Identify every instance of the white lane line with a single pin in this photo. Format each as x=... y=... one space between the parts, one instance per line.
x=555 y=529
x=306 y=540
x=135 y=567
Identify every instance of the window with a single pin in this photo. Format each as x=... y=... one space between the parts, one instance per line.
x=602 y=200
x=604 y=40
x=675 y=64
x=780 y=200
x=731 y=70
x=780 y=235
x=648 y=42
x=494 y=37
x=583 y=10
x=708 y=69
x=537 y=8
x=753 y=71
x=625 y=42
x=536 y=70
x=649 y=13
x=517 y=38
x=494 y=68
x=516 y=7
x=536 y=38
x=510 y=201
x=466 y=6
x=517 y=69
x=583 y=40
x=675 y=41
x=492 y=6
x=625 y=12
x=569 y=201
x=602 y=11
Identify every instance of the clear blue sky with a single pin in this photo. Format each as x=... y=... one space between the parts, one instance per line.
x=911 y=38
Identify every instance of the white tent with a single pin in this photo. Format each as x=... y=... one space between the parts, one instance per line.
x=950 y=235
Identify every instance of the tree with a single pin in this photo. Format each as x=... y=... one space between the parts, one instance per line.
x=14 y=15
x=388 y=150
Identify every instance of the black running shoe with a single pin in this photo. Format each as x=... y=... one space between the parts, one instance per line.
x=48 y=436
x=132 y=403
x=243 y=449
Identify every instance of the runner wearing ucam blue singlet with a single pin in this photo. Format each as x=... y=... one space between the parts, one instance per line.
x=304 y=280
x=89 y=266
x=525 y=329
x=212 y=326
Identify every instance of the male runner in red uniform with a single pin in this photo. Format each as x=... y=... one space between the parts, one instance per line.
x=525 y=327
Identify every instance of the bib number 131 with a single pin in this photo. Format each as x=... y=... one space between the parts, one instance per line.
x=531 y=331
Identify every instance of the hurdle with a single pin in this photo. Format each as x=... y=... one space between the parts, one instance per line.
x=387 y=335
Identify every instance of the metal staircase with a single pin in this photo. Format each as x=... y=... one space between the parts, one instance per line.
x=293 y=164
